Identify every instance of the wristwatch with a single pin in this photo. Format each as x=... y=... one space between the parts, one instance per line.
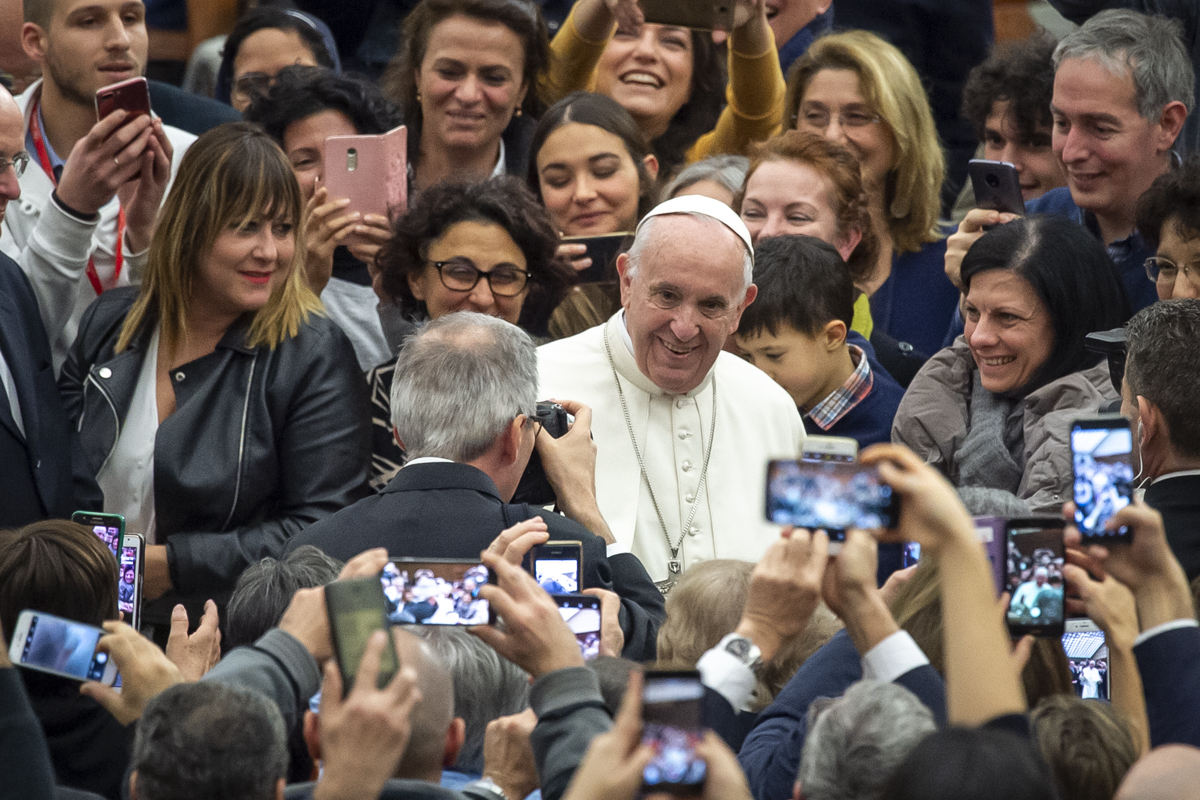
x=742 y=649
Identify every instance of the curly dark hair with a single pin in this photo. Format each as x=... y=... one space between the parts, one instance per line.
x=1173 y=197
x=299 y=92
x=261 y=18
x=1021 y=73
x=505 y=201
x=700 y=113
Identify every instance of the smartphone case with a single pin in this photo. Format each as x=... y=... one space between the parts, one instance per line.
x=996 y=186
x=351 y=597
x=703 y=15
x=132 y=95
x=372 y=171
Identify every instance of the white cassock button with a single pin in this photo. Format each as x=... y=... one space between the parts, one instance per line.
x=684 y=434
x=689 y=498
x=694 y=531
x=679 y=403
x=105 y=372
x=687 y=466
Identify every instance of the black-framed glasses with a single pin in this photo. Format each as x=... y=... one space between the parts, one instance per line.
x=18 y=162
x=1164 y=270
x=461 y=275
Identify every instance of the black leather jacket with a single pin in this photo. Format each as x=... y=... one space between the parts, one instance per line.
x=262 y=442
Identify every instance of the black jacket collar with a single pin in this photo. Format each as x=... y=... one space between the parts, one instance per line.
x=442 y=475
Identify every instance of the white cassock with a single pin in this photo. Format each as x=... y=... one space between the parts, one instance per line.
x=755 y=421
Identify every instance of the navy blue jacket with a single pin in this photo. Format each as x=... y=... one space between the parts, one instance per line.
x=771 y=753
x=1170 y=668
x=869 y=422
x=917 y=301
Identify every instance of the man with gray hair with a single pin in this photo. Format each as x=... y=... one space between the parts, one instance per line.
x=855 y=742
x=1123 y=86
x=463 y=401
x=683 y=430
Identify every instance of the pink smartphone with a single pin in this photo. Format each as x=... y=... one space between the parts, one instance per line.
x=132 y=95
x=372 y=171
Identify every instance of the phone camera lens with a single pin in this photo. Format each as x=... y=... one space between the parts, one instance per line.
x=992 y=181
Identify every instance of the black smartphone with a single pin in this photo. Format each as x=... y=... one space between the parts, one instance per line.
x=581 y=612
x=558 y=566
x=357 y=609
x=704 y=15
x=129 y=580
x=1087 y=654
x=109 y=527
x=1102 y=454
x=436 y=591
x=671 y=702
x=831 y=496
x=603 y=251
x=1033 y=575
x=996 y=185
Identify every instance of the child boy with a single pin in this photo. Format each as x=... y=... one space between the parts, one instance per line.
x=796 y=331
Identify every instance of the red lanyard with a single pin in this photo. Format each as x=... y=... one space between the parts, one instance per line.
x=35 y=132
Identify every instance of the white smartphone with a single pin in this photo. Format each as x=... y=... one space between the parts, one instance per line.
x=129 y=579
x=60 y=647
x=829 y=448
x=1087 y=654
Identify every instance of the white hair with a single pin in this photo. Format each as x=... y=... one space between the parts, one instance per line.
x=646 y=232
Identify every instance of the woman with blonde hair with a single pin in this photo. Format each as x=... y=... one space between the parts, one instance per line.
x=860 y=91
x=221 y=411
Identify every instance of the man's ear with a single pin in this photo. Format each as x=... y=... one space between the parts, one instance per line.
x=751 y=293
x=312 y=735
x=33 y=42
x=279 y=784
x=834 y=334
x=456 y=734
x=396 y=436
x=1170 y=123
x=1154 y=428
x=511 y=446
x=133 y=792
x=626 y=279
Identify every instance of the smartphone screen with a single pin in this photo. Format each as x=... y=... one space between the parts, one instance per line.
x=1034 y=578
x=63 y=647
x=129 y=585
x=109 y=527
x=671 y=709
x=831 y=496
x=556 y=566
x=1087 y=655
x=435 y=592
x=356 y=610
x=581 y=612
x=1102 y=452
x=912 y=553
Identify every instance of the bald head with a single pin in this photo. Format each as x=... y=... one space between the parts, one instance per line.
x=1170 y=772
x=431 y=718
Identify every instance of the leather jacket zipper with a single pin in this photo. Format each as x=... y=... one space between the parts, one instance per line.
x=116 y=418
x=237 y=486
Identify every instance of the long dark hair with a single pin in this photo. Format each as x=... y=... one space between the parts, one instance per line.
x=588 y=108
x=700 y=113
x=1072 y=274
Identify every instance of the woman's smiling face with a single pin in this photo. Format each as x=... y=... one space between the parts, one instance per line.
x=1008 y=328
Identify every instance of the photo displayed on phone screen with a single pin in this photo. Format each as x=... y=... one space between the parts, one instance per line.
x=1087 y=655
x=127 y=585
x=582 y=615
x=64 y=647
x=830 y=495
x=1034 y=576
x=435 y=592
x=1102 y=452
x=557 y=576
x=672 y=730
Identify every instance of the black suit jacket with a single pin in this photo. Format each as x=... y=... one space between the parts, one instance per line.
x=52 y=479
x=1170 y=668
x=189 y=111
x=445 y=510
x=1178 y=500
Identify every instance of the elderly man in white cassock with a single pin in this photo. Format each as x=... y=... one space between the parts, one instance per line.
x=683 y=430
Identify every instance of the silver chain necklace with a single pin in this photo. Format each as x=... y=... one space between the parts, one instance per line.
x=673 y=566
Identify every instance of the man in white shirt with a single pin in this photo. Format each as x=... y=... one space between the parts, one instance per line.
x=1161 y=398
x=92 y=191
x=683 y=430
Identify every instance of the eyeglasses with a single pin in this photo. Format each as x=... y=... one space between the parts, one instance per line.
x=1164 y=270
x=18 y=162
x=816 y=118
x=460 y=275
x=253 y=84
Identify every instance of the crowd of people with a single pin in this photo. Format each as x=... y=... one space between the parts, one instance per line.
x=718 y=251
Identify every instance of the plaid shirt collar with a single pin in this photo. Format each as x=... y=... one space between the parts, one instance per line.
x=856 y=388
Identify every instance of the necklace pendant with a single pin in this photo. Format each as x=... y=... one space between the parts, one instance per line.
x=673 y=567
x=664 y=587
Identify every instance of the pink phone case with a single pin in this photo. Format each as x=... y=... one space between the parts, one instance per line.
x=372 y=171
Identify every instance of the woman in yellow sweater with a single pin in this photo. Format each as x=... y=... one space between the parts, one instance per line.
x=669 y=79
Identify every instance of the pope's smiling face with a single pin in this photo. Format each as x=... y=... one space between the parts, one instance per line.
x=683 y=297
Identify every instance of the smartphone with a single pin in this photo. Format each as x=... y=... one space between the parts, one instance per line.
x=996 y=185
x=830 y=448
x=703 y=15
x=109 y=527
x=132 y=95
x=129 y=579
x=581 y=612
x=371 y=170
x=912 y=554
x=356 y=609
x=1087 y=654
x=603 y=251
x=671 y=710
x=60 y=647
x=831 y=496
x=436 y=591
x=558 y=566
x=1102 y=454
x=990 y=531
x=1033 y=575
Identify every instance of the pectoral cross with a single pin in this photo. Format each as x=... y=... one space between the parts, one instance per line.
x=673 y=570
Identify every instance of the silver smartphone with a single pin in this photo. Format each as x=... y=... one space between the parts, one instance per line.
x=62 y=647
